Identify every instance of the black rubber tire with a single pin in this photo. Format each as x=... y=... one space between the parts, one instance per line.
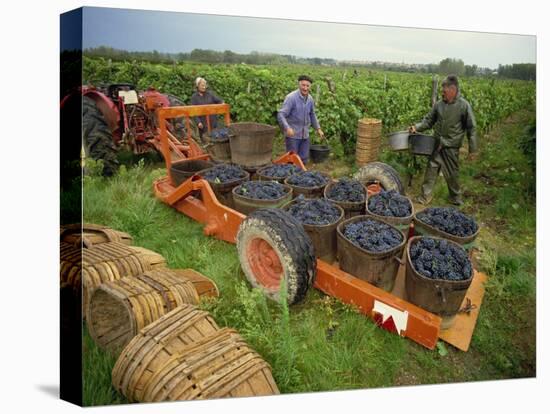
x=293 y=246
x=382 y=173
x=97 y=137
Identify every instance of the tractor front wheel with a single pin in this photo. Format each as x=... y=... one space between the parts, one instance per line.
x=273 y=247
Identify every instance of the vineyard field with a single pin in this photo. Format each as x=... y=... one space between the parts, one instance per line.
x=342 y=95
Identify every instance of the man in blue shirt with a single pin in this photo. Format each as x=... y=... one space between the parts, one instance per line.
x=296 y=116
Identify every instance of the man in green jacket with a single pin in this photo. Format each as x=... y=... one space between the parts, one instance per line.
x=451 y=119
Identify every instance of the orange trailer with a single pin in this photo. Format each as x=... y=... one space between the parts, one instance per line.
x=260 y=255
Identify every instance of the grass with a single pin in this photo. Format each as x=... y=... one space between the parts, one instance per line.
x=322 y=344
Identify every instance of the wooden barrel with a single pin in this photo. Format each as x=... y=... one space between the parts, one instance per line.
x=147 y=352
x=440 y=296
x=369 y=134
x=217 y=366
x=119 y=309
x=378 y=268
x=403 y=224
x=88 y=235
x=351 y=208
x=104 y=263
x=251 y=143
x=425 y=229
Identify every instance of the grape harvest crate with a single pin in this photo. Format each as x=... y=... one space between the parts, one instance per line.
x=390 y=311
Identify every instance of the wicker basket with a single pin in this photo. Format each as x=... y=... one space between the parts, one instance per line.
x=149 y=350
x=220 y=365
x=119 y=309
x=369 y=134
x=86 y=269
x=88 y=235
x=185 y=356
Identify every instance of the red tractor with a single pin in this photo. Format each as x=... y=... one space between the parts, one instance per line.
x=118 y=115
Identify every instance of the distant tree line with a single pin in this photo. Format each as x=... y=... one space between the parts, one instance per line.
x=525 y=71
x=206 y=56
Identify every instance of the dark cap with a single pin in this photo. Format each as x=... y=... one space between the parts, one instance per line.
x=450 y=80
x=305 y=77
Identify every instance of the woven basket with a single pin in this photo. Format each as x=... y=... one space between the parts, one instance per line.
x=119 y=309
x=149 y=350
x=88 y=235
x=86 y=269
x=220 y=365
x=369 y=134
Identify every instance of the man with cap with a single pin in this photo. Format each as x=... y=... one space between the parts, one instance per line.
x=451 y=118
x=296 y=116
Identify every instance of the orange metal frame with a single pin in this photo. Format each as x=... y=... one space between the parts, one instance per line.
x=223 y=223
x=190 y=149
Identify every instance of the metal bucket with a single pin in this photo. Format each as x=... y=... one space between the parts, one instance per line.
x=420 y=144
x=323 y=237
x=442 y=297
x=247 y=205
x=251 y=143
x=379 y=269
x=399 y=141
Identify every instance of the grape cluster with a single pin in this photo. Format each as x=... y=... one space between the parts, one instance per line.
x=280 y=170
x=316 y=212
x=449 y=220
x=223 y=173
x=261 y=190
x=308 y=179
x=373 y=236
x=219 y=134
x=390 y=203
x=440 y=259
x=347 y=190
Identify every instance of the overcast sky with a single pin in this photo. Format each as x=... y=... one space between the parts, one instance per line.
x=139 y=30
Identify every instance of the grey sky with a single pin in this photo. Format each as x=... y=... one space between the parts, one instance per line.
x=139 y=30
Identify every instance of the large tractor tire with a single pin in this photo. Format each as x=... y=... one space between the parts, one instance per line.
x=381 y=173
x=97 y=138
x=273 y=246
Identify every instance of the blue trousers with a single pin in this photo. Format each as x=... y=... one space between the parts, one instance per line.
x=299 y=146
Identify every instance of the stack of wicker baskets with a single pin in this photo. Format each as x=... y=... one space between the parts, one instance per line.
x=138 y=308
x=91 y=234
x=369 y=134
x=119 y=309
x=184 y=355
x=86 y=269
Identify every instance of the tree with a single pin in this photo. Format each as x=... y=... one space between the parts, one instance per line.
x=525 y=71
x=471 y=70
x=450 y=65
